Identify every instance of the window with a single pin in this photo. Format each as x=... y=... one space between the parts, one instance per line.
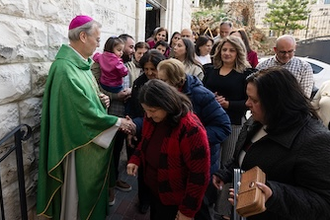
x=316 y=68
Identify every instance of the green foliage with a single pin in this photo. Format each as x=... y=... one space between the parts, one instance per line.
x=217 y=15
x=211 y=3
x=285 y=15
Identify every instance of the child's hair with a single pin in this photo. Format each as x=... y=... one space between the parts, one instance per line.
x=111 y=43
x=163 y=43
x=141 y=44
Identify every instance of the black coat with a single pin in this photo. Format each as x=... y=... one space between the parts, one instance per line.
x=297 y=170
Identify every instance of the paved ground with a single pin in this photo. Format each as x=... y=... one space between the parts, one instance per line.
x=125 y=207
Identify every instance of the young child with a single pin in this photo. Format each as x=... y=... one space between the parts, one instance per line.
x=163 y=47
x=112 y=67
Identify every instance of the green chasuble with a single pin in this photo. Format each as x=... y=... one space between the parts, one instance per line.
x=72 y=117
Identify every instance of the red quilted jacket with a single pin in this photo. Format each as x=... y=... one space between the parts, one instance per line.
x=184 y=163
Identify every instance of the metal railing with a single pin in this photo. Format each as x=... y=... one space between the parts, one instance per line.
x=20 y=133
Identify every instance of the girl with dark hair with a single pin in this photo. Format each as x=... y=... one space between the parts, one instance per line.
x=112 y=67
x=174 y=153
x=184 y=51
x=162 y=46
x=287 y=141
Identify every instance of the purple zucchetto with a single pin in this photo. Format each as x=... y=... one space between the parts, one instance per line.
x=79 y=20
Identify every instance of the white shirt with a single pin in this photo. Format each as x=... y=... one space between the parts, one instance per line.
x=204 y=59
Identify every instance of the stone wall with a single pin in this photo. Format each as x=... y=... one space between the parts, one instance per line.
x=31 y=32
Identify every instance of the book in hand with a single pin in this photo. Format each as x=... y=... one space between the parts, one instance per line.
x=251 y=200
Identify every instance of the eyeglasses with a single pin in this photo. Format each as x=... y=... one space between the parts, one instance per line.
x=286 y=52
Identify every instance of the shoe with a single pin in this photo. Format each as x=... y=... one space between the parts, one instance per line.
x=123 y=186
x=112 y=198
x=143 y=208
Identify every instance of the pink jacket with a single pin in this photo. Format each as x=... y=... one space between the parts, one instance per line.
x=112 y=69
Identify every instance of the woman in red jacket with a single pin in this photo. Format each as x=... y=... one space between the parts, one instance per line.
x=174 y=153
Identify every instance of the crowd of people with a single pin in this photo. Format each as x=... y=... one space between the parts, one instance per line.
x=178 y=107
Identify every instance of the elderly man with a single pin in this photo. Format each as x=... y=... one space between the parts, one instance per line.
x=284 y=56
x=76 y=132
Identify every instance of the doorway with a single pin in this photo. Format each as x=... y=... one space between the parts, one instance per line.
x=152 y=19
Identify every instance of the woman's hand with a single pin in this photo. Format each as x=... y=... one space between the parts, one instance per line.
x=231 y=195
x=265 y=189
x=221 y=100
x=180 y=216
x=105 y=100
x=132 y=169
x=217 y=182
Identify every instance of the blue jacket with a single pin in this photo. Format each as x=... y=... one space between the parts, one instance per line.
x=212 y=115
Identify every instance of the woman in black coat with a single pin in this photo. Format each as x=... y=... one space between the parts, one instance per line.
x=287 y=141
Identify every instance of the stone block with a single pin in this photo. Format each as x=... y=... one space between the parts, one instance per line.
x=39 y=73
x=15 y=7
x=22 y=40
x=11 y=201
x=15 y=82
x=9 y=118
x=30 y=111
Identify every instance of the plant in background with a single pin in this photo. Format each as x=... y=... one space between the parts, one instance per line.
x=211 y=3
x=207 y=21
x=284 y=16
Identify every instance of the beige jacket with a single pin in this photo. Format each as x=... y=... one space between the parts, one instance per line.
x=321 y=102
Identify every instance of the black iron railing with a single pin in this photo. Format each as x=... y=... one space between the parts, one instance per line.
x=20 y=133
